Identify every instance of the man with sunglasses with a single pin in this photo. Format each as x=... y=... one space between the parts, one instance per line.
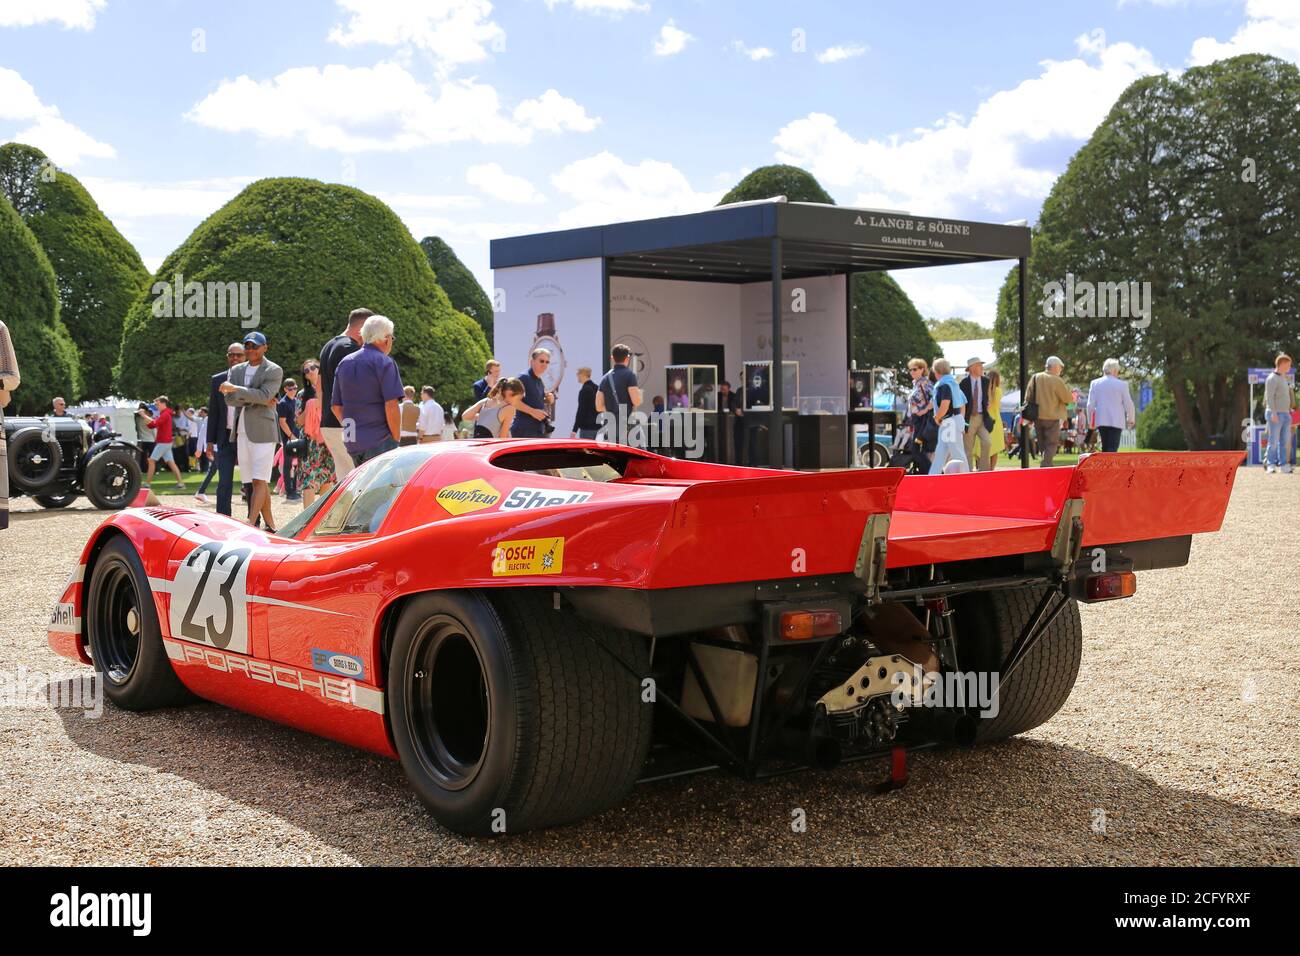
x=220 y=439
x=531 y=417
x=251 y=389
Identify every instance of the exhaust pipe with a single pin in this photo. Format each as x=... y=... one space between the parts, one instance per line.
x=946 y=725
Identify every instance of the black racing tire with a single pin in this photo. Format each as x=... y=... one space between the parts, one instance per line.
x=509 y=715
x=121 y=623
x=34 y=459
x=987 y=626
x=112 y=479
x=56 y=501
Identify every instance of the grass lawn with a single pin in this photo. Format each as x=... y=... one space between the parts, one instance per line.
x=1058 y=459
x=164 y=481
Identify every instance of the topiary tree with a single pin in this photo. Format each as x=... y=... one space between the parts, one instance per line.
x=458 y=282
x=29 y=301
x=99 y=273
x=1157 y=425
x=296 y=255
x=887 y=328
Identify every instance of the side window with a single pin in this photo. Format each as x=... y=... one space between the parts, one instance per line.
x=360 y=506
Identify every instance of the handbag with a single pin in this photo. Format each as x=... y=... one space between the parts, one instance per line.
x=296 y=447
x=1029 y=411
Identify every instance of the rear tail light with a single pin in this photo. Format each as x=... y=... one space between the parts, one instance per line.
x=802 y=625
x=1109 y=587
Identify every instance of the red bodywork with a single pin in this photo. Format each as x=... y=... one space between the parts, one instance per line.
x=312 y=608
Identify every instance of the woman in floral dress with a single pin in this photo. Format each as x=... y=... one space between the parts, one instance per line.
x=317 y=476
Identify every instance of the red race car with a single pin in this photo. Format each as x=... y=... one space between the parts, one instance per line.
x=532 y=626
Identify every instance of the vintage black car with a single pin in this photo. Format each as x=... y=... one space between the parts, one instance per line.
x=55 y=459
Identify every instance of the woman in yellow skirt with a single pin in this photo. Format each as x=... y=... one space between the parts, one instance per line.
x=997 y=438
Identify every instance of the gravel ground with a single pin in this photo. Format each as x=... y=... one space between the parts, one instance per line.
x=1181 y=734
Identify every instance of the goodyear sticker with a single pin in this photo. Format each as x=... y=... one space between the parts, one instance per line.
x=467 y=496
x=337 y=663
x=530 y=556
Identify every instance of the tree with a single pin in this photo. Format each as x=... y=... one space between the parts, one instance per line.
x=99 y=272
x=29 y=302
x=1190 y=188
x=458 y=282
x=956 y=329
x=292 y=257
x=887 y=330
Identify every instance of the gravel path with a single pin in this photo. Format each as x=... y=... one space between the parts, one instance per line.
x=1182 y=730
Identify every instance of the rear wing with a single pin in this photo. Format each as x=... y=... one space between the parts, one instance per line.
x=805 y=525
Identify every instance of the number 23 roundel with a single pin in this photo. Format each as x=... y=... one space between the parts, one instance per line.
x=209 y=597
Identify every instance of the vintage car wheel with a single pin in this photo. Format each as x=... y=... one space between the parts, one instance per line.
x=873 y=455
x=34 y=461
x=112 y=479
x=61 y=500
x=513 y=716
x=121 y=623
x=987 y=626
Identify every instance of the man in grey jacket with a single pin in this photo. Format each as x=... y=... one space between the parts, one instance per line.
x=250 y=390
x=1278 y=402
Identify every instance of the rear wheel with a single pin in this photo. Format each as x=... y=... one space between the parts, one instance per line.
x=60 y=500
x=514 y=716
x=988 y=624
x=112 y=479
x=121 y=623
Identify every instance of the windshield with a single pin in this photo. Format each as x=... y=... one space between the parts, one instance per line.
x=360 y=506
x=580 y=464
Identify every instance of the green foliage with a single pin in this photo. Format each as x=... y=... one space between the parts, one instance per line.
x=1157 y=425
x=99 y=273
x=956 y=329
x=458 y=282
x=887 y=329
x=1190 y=184
x=316 y=251
x=793 y=183
x=29 y=302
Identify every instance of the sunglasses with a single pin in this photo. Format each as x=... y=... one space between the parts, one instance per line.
x=542 y=361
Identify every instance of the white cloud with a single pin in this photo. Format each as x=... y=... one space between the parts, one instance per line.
x=609 y=7
x=552 y=113
x=753 y=52
x=1272 y=26
x=453 y=32
x=970 y=292
x=73 y=14
x=65 y=143
x=379 y=108
x=607 y=189
x=499 y=184
x=191 y=199
x=671 y=39
x=426 y=201
x=958 y=162
x=835 y=54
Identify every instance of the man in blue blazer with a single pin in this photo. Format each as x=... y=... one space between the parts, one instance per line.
x=221 y=444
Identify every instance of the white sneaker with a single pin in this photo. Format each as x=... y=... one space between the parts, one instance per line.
x=1268 y=469
x=201 y=498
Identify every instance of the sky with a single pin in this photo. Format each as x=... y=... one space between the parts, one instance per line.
x=475 y=120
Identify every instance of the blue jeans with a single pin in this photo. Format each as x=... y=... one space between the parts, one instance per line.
x=224 y=461
x=360 y=458
x=1279 y=440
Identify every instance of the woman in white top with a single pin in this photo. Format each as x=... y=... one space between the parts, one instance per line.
x=493 y=415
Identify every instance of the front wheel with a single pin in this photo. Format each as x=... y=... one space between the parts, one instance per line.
x=121 y=622
x=112 y=479
x=510 y=715
x=60 y=500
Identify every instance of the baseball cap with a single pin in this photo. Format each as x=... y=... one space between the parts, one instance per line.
x=255 y=338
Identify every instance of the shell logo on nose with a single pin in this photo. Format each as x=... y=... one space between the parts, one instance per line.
x=530 y=556
x=467 y=496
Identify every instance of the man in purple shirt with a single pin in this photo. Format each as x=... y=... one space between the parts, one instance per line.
x=367 y=392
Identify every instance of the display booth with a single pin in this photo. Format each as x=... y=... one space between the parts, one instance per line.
x=725 y=295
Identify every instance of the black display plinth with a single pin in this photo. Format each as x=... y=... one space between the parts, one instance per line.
x=821 y=441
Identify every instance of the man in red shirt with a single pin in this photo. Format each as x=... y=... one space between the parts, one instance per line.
x=162 y=434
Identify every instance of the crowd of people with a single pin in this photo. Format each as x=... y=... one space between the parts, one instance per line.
x=953 y=426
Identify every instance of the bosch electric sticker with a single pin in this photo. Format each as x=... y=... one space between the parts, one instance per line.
x=467 y=496
x=336 y=663
x=526 y=499
x=530 y=556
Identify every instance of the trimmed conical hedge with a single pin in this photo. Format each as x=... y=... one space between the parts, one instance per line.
x=458 y=282
x=99 y=273
x=29 y=302
x=302 y=254
x=887 y=328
